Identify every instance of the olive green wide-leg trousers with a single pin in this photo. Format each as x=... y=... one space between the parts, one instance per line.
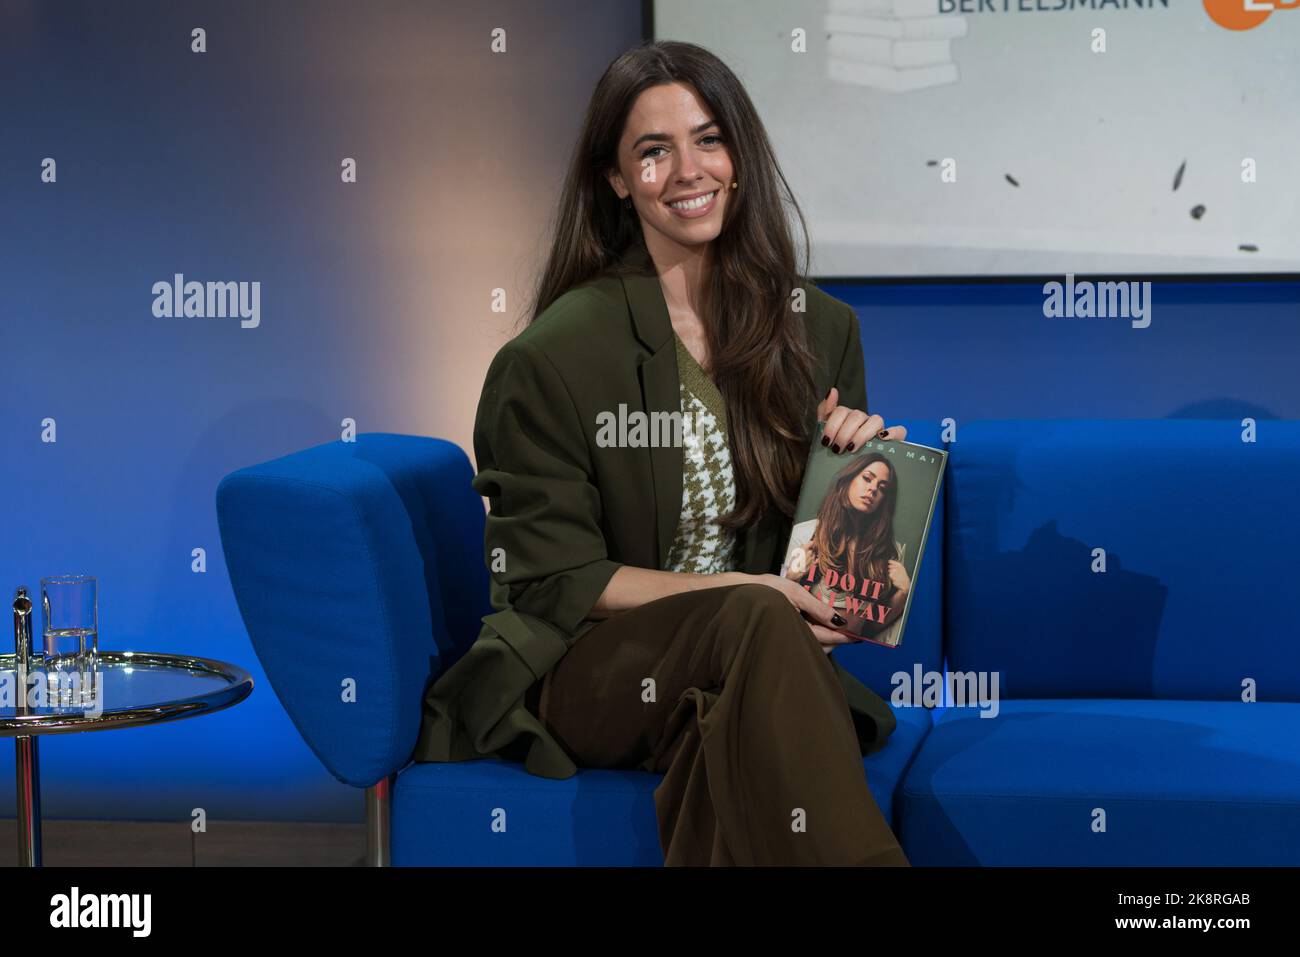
x=728 y=694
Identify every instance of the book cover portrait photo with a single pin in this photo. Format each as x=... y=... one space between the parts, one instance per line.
x=859 y=532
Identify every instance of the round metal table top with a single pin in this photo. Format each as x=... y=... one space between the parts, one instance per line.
x=133 y=688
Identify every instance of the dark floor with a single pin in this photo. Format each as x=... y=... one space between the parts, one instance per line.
x=173 y=844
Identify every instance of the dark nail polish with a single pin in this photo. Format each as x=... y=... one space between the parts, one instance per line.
x=825 y=440
x=837 y=619
x=835 y=449
x=882 y=433
x=849 y=447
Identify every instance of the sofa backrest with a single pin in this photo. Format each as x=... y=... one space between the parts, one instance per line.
x=358 y=571
x=1198 y=533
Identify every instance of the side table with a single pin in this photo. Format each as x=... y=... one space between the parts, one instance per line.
x=135 y=688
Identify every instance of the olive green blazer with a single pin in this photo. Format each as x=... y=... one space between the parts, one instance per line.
x=565 y=513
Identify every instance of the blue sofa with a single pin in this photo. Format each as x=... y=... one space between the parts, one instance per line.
x=1119 y=589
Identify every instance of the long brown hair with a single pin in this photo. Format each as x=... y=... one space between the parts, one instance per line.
x=850 y=541
x=758 y=345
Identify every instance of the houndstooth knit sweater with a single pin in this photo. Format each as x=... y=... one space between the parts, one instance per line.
x=708 y=483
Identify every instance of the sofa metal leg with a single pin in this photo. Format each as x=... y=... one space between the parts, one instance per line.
x=377 y=810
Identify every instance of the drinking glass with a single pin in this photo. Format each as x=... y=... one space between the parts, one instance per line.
x=70 y=609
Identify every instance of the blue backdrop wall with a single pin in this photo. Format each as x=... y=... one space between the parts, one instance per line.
x=376 y=306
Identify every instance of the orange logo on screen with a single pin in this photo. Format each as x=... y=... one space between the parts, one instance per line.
x=1244 y=14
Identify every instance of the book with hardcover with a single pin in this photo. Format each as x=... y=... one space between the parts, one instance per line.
x=859 y=531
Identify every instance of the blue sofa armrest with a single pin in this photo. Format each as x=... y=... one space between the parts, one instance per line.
x=350 y=599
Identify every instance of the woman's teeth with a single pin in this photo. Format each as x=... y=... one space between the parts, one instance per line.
x=697 y=203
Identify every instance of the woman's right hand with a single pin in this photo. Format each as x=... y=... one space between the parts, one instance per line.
x=821 y=614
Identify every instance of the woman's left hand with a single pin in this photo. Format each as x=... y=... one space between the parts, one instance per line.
x=848 y=429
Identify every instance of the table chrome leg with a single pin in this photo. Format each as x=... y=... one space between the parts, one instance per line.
x=27 y=755
x=377 y=808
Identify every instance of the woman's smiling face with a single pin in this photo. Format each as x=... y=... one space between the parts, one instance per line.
x=672 y=150
x=867 y=490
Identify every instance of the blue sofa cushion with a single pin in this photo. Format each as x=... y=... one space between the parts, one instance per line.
x=442 y=812
x=1182 y=783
